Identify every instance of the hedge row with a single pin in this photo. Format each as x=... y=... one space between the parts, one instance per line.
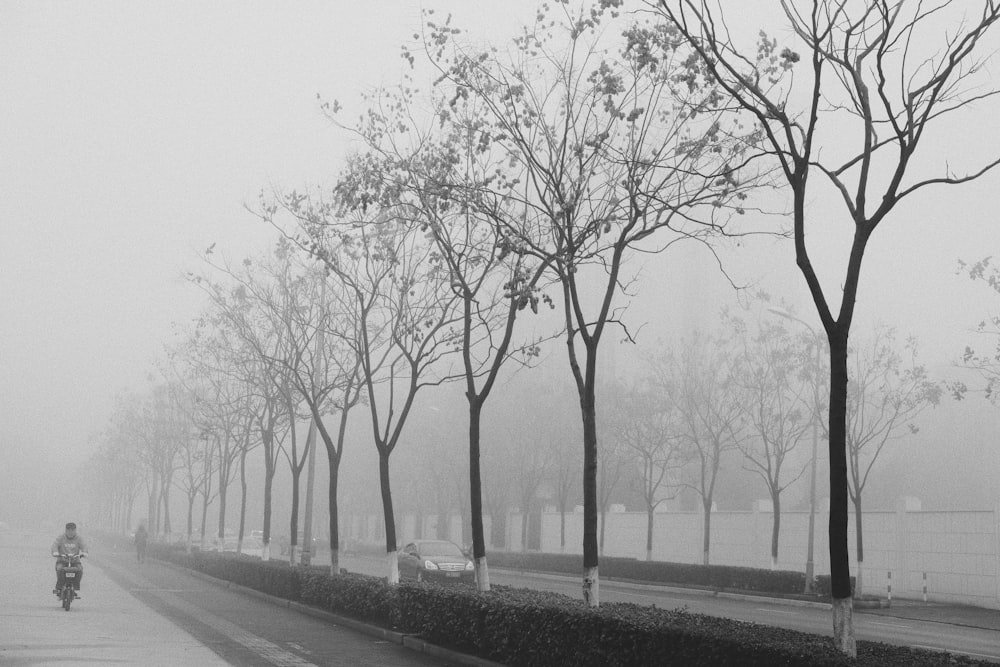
x=717 y=577
x=525 y=627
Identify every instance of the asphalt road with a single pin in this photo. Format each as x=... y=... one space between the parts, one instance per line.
x=151 y=614
x=972 y=641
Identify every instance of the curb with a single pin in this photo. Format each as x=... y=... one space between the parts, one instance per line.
x=705 y=592
x=410 y=641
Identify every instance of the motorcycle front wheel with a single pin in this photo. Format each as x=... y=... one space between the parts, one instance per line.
x=67 y=597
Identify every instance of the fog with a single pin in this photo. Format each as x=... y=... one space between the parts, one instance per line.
x=134 y=136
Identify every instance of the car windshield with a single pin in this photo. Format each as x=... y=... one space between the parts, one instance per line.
x=440 y=549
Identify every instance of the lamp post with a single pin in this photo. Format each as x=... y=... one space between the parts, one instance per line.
x=810 y=570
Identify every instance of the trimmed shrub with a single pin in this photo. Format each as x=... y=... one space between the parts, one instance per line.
x=527 y=627
x=369 y=599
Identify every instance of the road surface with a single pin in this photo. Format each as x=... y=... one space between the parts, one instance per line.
x=152 y=614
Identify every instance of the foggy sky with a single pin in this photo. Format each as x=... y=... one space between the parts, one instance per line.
x=132 y=135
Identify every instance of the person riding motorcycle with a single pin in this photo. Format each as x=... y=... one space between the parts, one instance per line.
x=68 y=543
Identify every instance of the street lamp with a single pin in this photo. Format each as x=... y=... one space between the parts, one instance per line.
x=815 y=424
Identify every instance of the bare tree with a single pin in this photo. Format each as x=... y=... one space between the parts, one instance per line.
x=699 y=385
x=888 y=389
x=608 y=158
x=530 y=462
x=441 y=179
x=117 y=469
x=563 y=476
x=776 y=398
x=646 y=424
x=404 y=312
x=224 y=404
x=873 y=91
x=197 y=467
x=149 y=419
x=258 y=346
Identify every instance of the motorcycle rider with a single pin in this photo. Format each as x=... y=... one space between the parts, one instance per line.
x=68 y=543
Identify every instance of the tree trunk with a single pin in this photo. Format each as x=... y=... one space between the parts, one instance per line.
x=389 y=517
x=165 y=496
x=858 y=533
x=334 y=518
x=649 y=533
x=190 y=522
x=524 y=526
x=243 y=499
x=293 y=544
x=706 y=530
x=840 y=569
x=222 y=511
x=476 y=499
x=204 y=515
x=152 y=508
x=604 y=520
x=268 y=488
x=562 y=527
x=843 y=625
x=775 y=526
x=333 y=455
x=591 y=583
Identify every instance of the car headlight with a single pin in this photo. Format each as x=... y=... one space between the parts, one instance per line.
x=469 y=566
x=428 y=565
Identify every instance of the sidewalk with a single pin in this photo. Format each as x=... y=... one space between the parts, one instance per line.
x=936 y=612
x=106 y=626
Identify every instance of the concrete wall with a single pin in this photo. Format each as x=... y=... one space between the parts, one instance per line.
x=958 y=550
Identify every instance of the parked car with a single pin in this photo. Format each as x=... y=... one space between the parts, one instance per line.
x=252 y=546
x=435 y=560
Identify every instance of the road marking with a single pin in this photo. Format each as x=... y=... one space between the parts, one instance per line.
x=165 y=590
x=260 y=646
x=952 y=650
x=890 y=625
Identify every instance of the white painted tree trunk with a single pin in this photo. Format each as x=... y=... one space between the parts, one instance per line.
x=591 y=587
x=265 y=553
x=392 y=563
x=843 y=626
x=858 y=588
x=482 y=575
x=292 y=554
x=774 y=563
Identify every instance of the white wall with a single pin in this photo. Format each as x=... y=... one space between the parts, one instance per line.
x=958 y=550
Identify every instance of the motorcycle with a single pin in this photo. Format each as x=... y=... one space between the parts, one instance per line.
x=71 y=569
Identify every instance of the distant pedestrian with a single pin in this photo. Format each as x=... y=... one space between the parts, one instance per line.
x=140 y=543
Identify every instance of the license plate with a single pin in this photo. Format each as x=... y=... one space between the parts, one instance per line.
x=70 y=575
x=451 y=574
